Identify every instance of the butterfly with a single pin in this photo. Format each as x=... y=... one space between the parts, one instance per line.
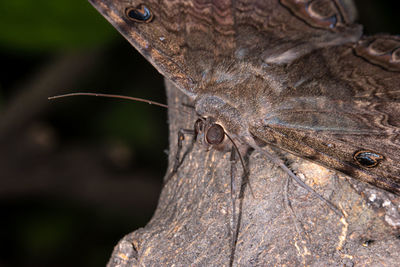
x=298 y=75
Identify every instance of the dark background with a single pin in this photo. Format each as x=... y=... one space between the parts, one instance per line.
x=77 y=174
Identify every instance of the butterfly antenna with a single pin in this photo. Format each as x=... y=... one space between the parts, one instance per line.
x=111 y=96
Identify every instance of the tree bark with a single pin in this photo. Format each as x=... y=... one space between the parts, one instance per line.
x=277 y=221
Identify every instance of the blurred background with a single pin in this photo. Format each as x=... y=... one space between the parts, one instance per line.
x=77 y=174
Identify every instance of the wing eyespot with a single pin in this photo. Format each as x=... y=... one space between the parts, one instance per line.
x=381 y=50
x=367 y=159
x=141 y=13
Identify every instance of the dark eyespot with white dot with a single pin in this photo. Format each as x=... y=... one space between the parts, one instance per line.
x=141 y=13
x=215 y=134
x=367 y=159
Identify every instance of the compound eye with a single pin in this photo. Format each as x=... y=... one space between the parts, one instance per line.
x=215 y=134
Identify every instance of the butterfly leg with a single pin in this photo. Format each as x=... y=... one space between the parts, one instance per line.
x=297 y=223
x=282 y=165
x=235 y=224
x=178 y=161
x=237 y=195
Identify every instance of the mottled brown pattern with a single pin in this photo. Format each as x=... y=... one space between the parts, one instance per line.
x=294 y=72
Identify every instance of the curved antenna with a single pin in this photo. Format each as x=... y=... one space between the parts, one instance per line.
x=111 y=96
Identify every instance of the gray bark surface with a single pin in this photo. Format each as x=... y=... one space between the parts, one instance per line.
x=280 y=223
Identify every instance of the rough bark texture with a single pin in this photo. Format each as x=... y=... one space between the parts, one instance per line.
x=280 y=223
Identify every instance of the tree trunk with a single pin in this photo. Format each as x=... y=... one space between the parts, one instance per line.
x=277 y=221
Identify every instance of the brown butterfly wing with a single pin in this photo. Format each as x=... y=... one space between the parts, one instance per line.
x=347 y=115
x=295 y=70
x=186 y=39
